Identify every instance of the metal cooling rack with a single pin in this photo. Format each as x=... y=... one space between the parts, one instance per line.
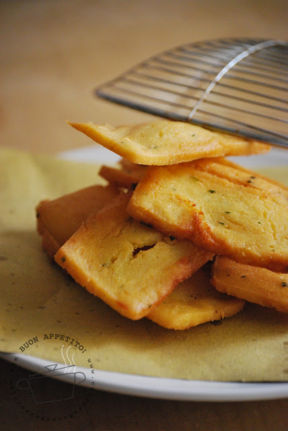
x=235 y=85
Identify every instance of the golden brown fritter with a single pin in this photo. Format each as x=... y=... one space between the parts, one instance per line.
x=167 y=142
x=254 y=284
x=128 y=265
x=245 y=223
x=193 y=302
x=58 y=219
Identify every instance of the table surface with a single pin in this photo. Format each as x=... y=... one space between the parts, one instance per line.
x=53 y=54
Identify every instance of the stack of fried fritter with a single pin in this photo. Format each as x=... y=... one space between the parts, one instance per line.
x=180 y=235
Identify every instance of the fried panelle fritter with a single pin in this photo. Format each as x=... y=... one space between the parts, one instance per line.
x=235 y=173
x=128 y=265
x=258 y=285
x=128 y=174
x=58 y=219
x=246 y=223
x=167 y=142
x=193 y=302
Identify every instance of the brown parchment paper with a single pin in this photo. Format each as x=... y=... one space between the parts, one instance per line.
x=45 y=314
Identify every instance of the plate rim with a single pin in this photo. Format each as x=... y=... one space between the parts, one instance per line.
x=157 y=387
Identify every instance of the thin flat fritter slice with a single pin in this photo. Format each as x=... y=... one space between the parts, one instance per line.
x=235 y=173
x=245 y=223
x=59 y=218
x=167 y=142
x=258 y=285
x=124 y=176
x=128 y=265
x=193 y=302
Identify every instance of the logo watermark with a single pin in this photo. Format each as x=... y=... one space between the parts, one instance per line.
x=40 y=394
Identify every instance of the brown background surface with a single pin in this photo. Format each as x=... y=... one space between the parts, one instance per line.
x=53 y=53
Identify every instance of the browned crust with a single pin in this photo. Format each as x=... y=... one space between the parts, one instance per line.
x=118 y=177
x=49 y=243
x=253 y=284
x=97 y=195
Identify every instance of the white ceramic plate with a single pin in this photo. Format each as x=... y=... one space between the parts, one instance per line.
x=153 y=387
